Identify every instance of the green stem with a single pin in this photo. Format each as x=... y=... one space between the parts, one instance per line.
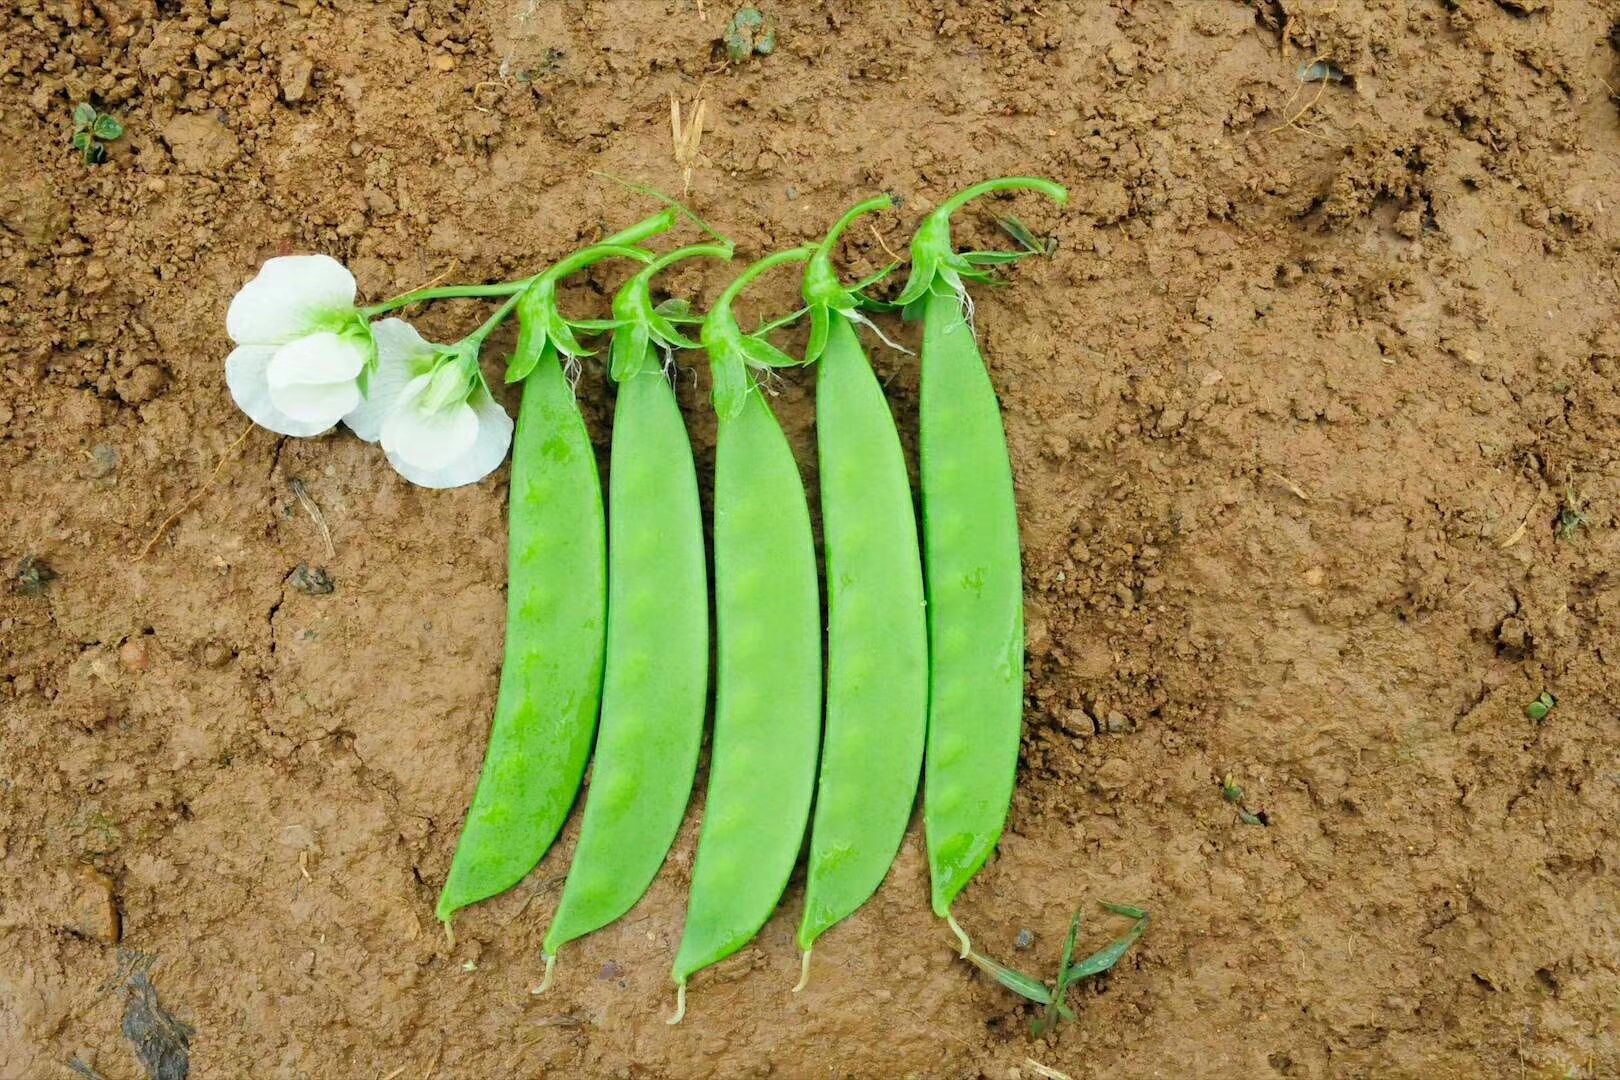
x=768 y=263
x=588 y=257
x=880 y=202
x=1056 y=192
x=661 y=222
x=696 y=251
x=447 y=292
x=476 y=338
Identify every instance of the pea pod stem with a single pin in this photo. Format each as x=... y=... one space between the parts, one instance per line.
x=1056 y=192
x=447 y=292
x=752 y=272
x=661 y=222
x=476 y=338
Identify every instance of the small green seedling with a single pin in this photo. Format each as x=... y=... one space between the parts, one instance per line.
x=749 y=34
x=33 y=575
x=92 y=131
x=1570 y=516
x=1070 y=974
x=1538 y=709
x=1232 y=792
x=1024 y=238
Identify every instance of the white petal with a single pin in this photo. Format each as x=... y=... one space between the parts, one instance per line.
x=398 y=338
x=427 y=440
x=288 y=298
x=323 y=403
x=317 y=358
x=485 y=455
x=245 y=375
x=400 y=352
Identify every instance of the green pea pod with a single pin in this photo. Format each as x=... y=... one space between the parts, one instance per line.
x=877 y=632
x=971 y=558
x=655 y=689
x=768 y=680
x=551 y=679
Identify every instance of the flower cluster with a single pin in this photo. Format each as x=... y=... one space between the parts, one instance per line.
x=307 y=358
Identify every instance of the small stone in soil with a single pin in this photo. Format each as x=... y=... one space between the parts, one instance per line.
x=103 y=463
x=316 y=582
x=1024 y=940
x=135 y=654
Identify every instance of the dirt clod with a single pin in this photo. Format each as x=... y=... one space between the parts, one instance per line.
x=94 y=911
x=201 y=143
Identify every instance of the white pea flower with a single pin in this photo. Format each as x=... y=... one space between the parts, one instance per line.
x=302 y=348
x=431 y=409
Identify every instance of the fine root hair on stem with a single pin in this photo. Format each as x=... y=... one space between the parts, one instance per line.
x=196 y=496
x=858 y=317
x=961 y=935
x=804 y=973
x=965 y=298
x=680 y=1005
x=315 y=514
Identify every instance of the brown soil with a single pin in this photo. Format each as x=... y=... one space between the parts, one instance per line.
x=1303 y=411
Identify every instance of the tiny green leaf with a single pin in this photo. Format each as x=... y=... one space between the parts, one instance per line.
x=995 y=258
x=81 y=140
x=1104 y=959
x=108 y=128
x=1059 y=1009
x=763 y=354
x=1026 y=239
x=1023 y=985
x=83 y=117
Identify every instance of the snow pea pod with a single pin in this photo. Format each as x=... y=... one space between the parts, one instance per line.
x=655 y=687
x=768 y=679
x=971 y=559
x=877 y=634
x=551 y=678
